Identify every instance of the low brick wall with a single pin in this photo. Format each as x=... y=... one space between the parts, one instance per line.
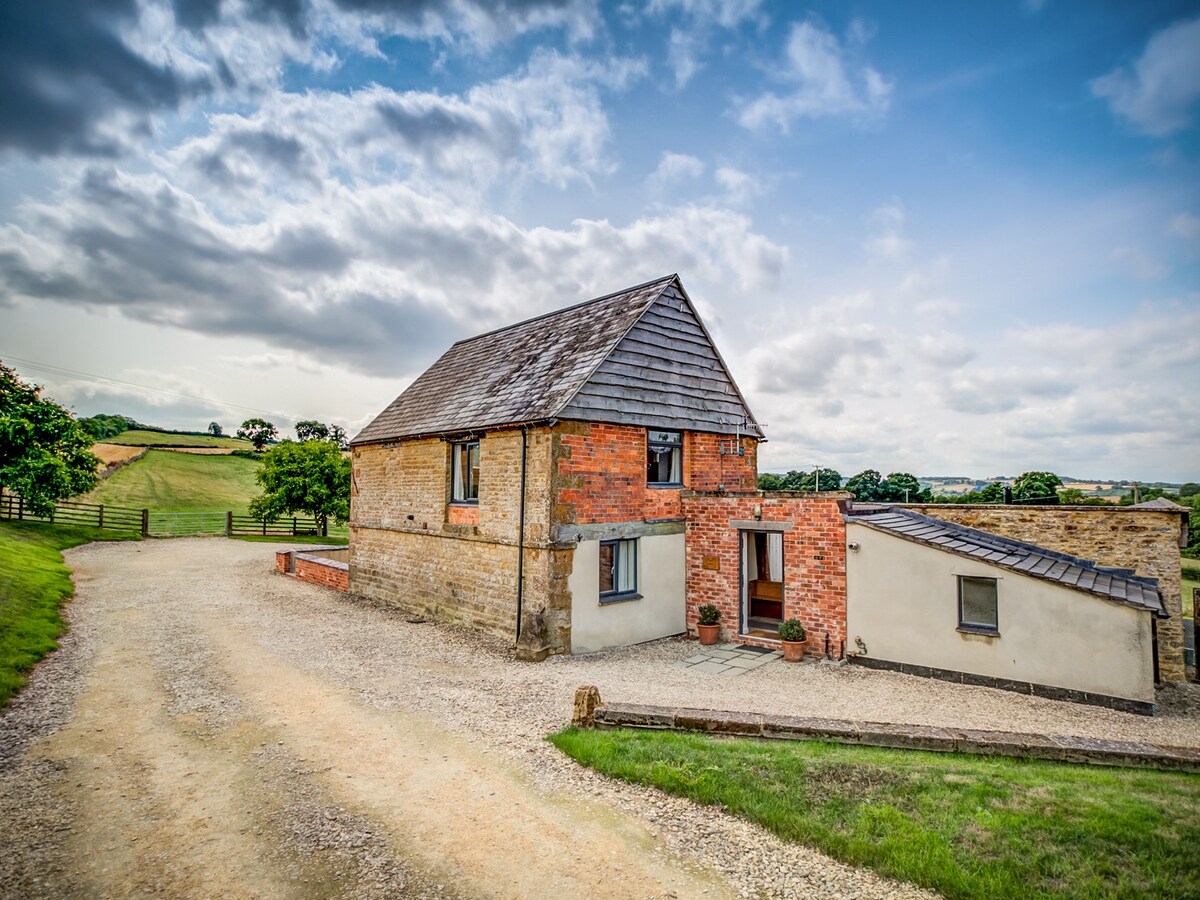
x=311 y=564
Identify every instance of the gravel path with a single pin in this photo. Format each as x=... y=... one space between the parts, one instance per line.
x=209 y=727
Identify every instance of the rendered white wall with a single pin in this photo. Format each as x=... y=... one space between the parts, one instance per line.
x=902 y=600
x=659 y=612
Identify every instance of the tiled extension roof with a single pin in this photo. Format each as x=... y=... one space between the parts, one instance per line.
x=1119 y=585
x=640 y=356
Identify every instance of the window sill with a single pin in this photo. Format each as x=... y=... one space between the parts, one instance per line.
x=606 y=599
x=464 y=502
x=673 y=485
x=979 y=629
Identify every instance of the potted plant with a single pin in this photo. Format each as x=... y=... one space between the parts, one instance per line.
x=710 y=624
x=793 y=635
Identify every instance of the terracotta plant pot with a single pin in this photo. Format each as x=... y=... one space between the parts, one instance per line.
x=793 y=651
x=709 y=634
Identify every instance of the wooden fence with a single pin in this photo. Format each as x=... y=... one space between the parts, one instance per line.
x=158 y=523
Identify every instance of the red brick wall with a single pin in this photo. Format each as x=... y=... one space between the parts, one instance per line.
x=814 y=559
x=602 y=473
x=462 y=514
x=282 y=561
x=335 y=577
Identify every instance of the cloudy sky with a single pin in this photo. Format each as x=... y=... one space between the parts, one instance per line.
x=943 y=238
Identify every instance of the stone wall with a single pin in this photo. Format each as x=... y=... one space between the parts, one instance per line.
x=814 y=558
x=1145 y=540
x=411 y=548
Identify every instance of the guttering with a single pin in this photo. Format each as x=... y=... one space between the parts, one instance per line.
x=454 y=434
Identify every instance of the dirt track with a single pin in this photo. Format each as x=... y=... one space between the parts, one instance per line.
x=217 y=745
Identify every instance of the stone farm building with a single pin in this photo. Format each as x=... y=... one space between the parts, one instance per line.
x=588 y=478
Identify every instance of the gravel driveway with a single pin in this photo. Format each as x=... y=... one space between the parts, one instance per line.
x=211 y=728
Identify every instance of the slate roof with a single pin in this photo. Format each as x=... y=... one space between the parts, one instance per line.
x=536 y=370
x=1120 y=585
x=1160 y=503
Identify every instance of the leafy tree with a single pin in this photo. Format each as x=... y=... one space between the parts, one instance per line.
x=1037 y=485
x=214 y=428
x=106 y=425
x=1189 y=489
x=992 y=493
x=902 y=487
x=865 y=486
x=337 y=434
x=768 y=481
x=310 y=477
x=831 y=480
x=259 y=432
x=311 y=430
x=44 y=453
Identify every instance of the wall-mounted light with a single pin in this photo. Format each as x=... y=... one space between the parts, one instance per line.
x=853 y=546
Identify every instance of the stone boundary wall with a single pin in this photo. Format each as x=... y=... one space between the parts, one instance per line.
x=1059 y=748
x=1145 y=540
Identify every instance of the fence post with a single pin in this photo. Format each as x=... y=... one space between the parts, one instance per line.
x=293 y=526
x=20 y=508
x=264 y=521
x=145 y=523
x=229 y=523
x=100 y=517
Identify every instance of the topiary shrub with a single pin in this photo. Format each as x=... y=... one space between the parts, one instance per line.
x=792 y=631
x=709 y=614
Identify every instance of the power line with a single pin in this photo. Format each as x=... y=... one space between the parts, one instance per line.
x=159 y=392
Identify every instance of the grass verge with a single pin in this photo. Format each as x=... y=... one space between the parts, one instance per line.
x=965 y=826
x=1188 y=567
x=34 y=581
x=298 y=539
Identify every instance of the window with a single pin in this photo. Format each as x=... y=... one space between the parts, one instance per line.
x=977 y=605
x=618 y=570
x=465 y=461
x=664 y=457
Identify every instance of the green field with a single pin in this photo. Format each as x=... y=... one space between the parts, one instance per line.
x=34 y=581
x=180 y=482
x=966 y=826
x=138 y=438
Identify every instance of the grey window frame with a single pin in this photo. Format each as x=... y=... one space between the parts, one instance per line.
x=465 y=484
x=617 y=596
x=979 y=627
x=676 y=447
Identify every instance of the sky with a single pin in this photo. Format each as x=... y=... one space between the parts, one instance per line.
x=950 y=239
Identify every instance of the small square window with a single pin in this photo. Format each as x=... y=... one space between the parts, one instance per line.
x=664 y=457
x=977 y=610
x=465 y=481
x=618 y=570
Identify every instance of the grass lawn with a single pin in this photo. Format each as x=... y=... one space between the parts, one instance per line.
x=138 y=438
x=1189 y=585
x=180 y=482
x=34 y=581
x=966 y=826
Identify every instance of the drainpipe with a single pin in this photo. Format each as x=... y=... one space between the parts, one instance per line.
x=521 y=533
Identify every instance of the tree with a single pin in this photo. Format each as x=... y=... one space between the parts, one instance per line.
x=214 y=428
x=311 y=430
x=1037 y=486
x=337 y=434
x=770 y=482
x=106 y=425
x=865 y=486
x=310 y=477
x=45 y=455
x=259 y=432
x=1189 y=489
x=903 y=487
x=992 y=493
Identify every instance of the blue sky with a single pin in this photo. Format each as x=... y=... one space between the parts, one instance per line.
x=942 y=238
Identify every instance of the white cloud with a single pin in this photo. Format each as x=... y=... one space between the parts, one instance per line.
x=696 y=21
x=1158 y=94
x=676 y=167
x=887 y=241
x=740 y=187
x=827 y=80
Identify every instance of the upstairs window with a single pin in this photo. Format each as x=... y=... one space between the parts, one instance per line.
x=465 y=463
x=618 y=570
x=664 y=457
x=977 y=605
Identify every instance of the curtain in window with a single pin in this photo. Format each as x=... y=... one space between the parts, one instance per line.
x=677 y=466
x=775 y=555
x=750 y=554
x=457 y=460
x=626 y=579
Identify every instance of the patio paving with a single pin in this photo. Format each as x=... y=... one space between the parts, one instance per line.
x=729 y=659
